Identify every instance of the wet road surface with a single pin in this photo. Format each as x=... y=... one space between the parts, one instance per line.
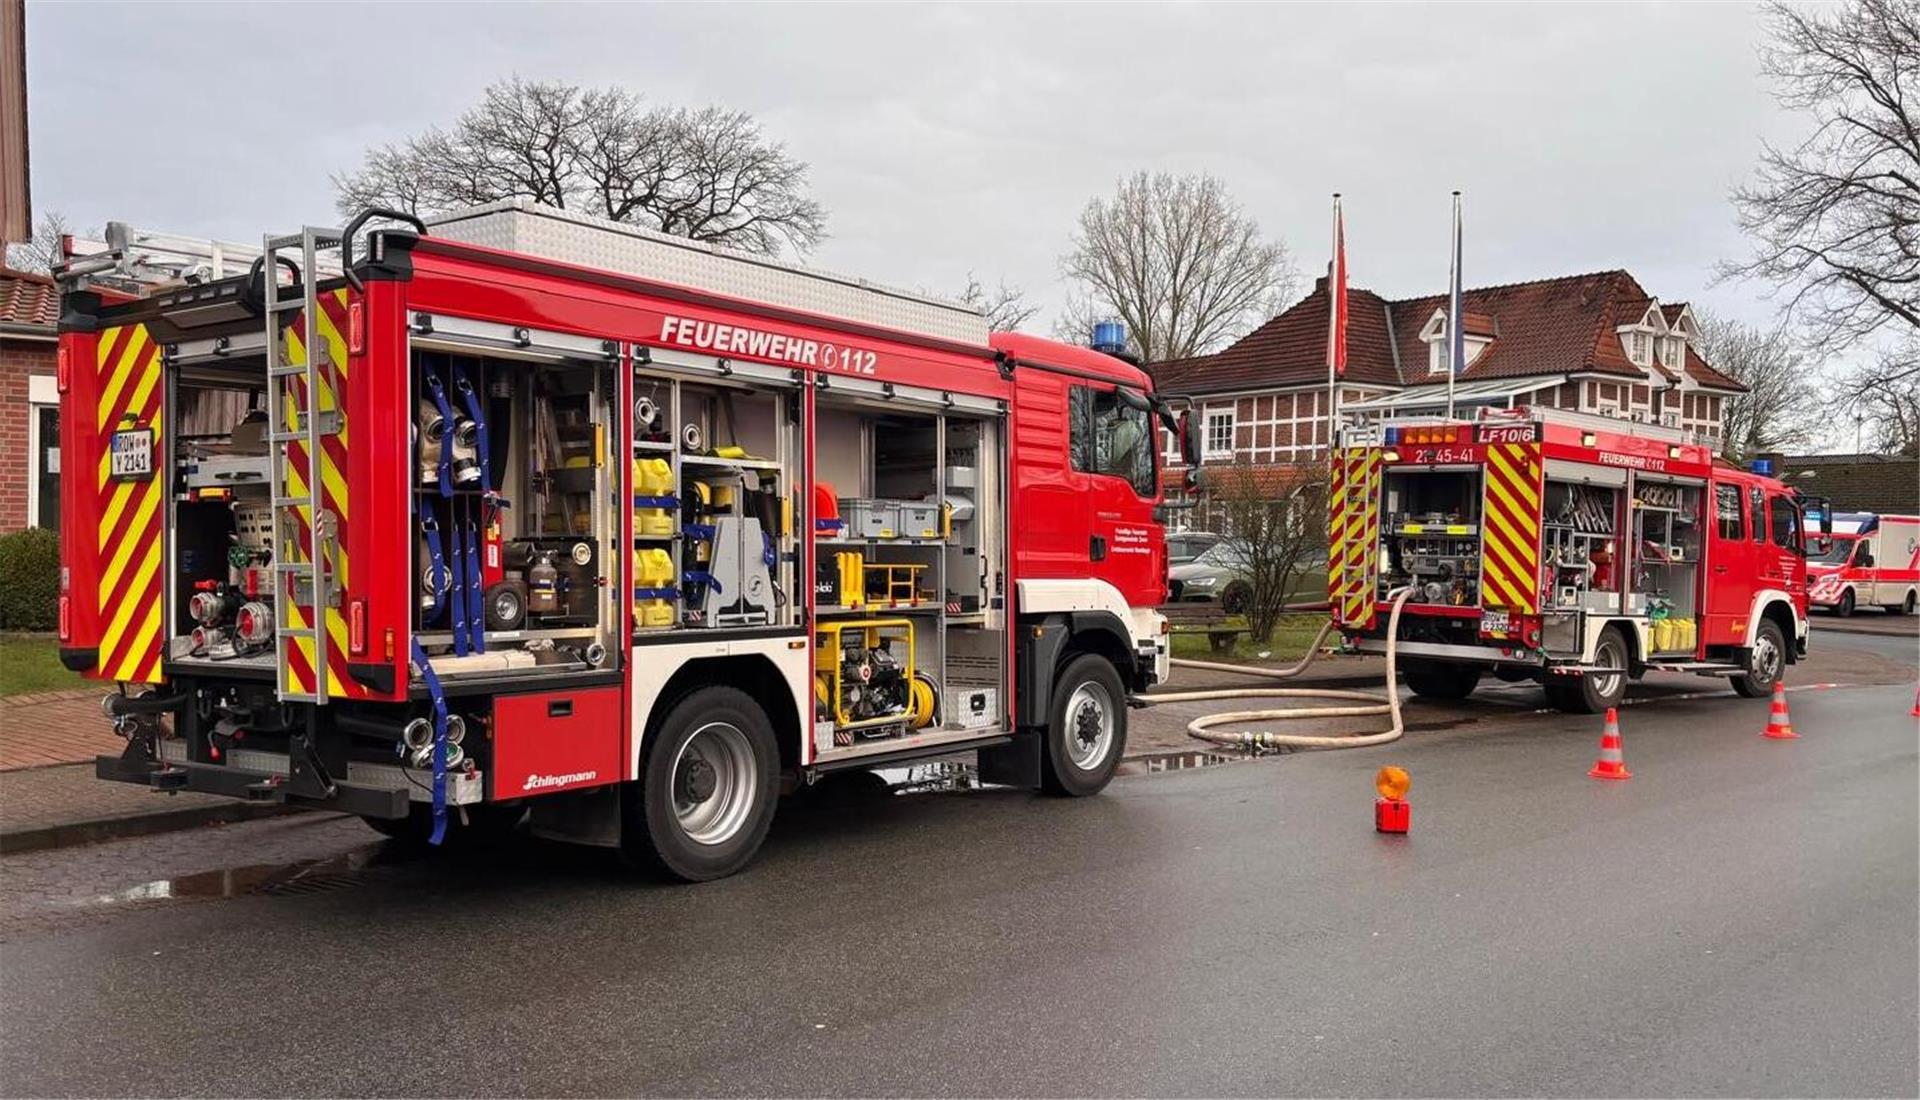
x=1739 y=919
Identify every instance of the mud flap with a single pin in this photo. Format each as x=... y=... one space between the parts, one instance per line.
x=1014 y=764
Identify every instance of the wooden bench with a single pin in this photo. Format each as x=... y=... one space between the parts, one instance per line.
x=1202 y=618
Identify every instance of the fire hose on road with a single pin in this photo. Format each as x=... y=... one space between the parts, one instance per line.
x=1357 y=703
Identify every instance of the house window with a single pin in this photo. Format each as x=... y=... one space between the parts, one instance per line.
x=1637 y=346
x=1219 y=435
x=43 y=452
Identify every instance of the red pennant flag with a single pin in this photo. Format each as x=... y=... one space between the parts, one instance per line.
x=1337 y=295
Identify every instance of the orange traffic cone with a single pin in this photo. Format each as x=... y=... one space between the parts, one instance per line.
x=1778 y=726
x=1611 y=765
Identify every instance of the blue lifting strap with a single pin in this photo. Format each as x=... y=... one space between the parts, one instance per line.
x=439 y=698
x=439 y=394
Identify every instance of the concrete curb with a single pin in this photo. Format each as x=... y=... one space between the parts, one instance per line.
x=67 y=834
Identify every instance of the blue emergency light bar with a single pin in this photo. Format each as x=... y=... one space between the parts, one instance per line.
x=1110 y=337
x=1762 y=466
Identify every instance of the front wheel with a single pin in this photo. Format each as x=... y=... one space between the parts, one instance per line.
x=1088 y=727
x=1236 y=599
x=1844 y=608
x=706 y=791
x=1766 y=661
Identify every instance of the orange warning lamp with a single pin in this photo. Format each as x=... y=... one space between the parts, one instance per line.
x=1391 y=813
x=1392 y=782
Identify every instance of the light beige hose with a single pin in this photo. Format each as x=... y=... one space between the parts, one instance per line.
x=1374 y=703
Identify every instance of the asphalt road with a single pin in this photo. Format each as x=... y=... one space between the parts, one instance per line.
x=1738 y=919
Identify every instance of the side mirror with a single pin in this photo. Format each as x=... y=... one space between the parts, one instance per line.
x=1189 y=439
x=1819 y=515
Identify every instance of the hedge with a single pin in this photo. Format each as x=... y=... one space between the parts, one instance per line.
x=29 y=579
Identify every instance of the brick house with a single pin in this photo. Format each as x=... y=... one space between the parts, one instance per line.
x=1598 y=343
x=29 y=405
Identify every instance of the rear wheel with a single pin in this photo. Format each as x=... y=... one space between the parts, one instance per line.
x=1845 y=607
x=1904 y=607
x=1440 y=679
x=707 y=787
x=1088 y=728
x=1766 y=661
x=1594 y=692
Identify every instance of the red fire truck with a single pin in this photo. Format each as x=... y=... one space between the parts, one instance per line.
x=520 y=514
x=1576 y=550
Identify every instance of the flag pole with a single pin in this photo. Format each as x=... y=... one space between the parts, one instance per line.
x=1333 y=320
x=1456 y=317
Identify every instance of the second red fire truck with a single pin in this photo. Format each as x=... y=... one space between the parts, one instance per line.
x=1576 y=550
x=522 y=513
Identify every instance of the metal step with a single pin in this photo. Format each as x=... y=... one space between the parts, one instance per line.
x=1698 y=668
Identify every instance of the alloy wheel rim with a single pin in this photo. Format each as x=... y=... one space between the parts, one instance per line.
x=1089 y=725
x=714 y=783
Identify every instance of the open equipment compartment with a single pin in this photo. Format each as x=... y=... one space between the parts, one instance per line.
x=1431 y=534
x=509 y=488
x=714 y=460
x=910 y=631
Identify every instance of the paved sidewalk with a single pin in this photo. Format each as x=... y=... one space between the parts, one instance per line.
x=54 y=727
x=49 y=796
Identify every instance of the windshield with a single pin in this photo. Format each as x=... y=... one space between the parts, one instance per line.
x=1837 y=554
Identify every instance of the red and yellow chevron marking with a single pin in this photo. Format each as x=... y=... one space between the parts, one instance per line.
x=297 y=671
x=1353 y=536
x=131 y=512
x=1510 y=543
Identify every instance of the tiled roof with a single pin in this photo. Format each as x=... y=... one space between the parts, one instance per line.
x=1549 y=326
x=1291 y=350
x=28 y=299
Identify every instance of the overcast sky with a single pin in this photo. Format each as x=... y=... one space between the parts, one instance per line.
x=945 y=139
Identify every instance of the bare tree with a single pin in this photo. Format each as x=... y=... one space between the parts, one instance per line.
x=708 y=173
x=39 y=253
x=1880 y=400
x=1005 y=307
x=1178 y=260
x=1836 y=218
x=1777 y=412
x=1275 y=528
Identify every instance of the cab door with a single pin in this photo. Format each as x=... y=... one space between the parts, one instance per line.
x=1732 y=580
x=1114 y=445
x=1782 y=561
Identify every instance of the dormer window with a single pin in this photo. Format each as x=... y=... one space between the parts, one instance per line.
x=1637 y=348
x=1676 y=353
x=1440 y=348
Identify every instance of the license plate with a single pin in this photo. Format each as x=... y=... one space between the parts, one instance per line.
x=131 y=454
x=1493 y=622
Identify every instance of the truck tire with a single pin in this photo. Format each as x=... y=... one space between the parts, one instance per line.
x=1844 y=608
x=1440 y=679
x=1087 y=727
x=1766 y=661
x=707 y=788
x=1904 y=607
x=1590 y=693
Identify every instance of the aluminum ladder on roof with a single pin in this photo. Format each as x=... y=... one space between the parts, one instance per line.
x=303 y=408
